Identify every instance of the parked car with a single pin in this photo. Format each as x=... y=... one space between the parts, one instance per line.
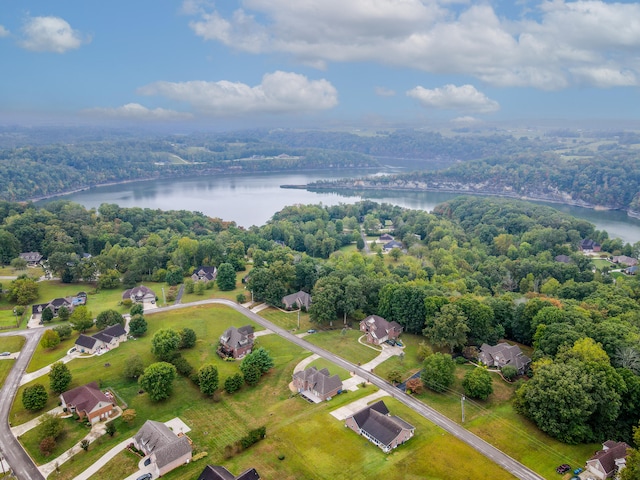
x=398 y=343
x=311 y=330
x=564 y=468
x=577 y=471
x=146 y=476
x=5 y=354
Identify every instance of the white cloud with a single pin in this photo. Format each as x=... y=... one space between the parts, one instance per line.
x=135 y=111
x=464 y=98
x=3 y=31
x=51 y=34
x=279 y=92
x=384 y=92
x=549 y=50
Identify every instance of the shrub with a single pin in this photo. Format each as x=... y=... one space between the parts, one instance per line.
x=134 y=367
x=84 y=444
x=182 y=365
x=47 y=445
x=233 y=383
x=111 y=429
x=50 y=339
x=129 y=416
x=35 y=397
x=509 y=372
x=51 y=426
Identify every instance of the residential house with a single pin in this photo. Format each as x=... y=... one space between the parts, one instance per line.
x=587 y=245
x=297 y=300
x=104 y=340
x=163 y=449
x=377 y=425
x=317 y=385
x=378 y=330
x=88 y=402
x=385 y=238
x=57 y=303
x=218 y=472
x=504 y=354
x=140 y=294
x=606 y=463
x=562 y=258
x=204 y=274
x=236 y=342
x=387 y=247
x=32 y=258
x=631 y=270
x=623 y=259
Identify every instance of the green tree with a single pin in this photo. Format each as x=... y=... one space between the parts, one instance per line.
x=63 y=314
x=164 y=343
x=326 y=295
x=632 y=468
x=137 y=309
x=447 y=328
x=509 y=372
x=47 y=315
x=111 y=429
x=260 y=358
x=81 y=319
x=251 y=374
x=23 y=291
x=59 y=378
x=477 y=383
x=134 y=367
x=438 y=372
x=233 y=383
x=109 y=280
x=107 y=318
x=157 y=380
x=226 y=278
x=359 y=243
x=137 y=325
x=35 y=397
x=208 y=379
x=50 y=426
x=187 y=338
x=50 y=339
x=395 y=375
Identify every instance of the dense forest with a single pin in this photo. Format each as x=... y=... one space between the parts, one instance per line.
x=473 y=271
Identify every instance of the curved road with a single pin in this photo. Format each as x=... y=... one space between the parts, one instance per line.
x=24 y=467
x=511 y=465
x=20 y=462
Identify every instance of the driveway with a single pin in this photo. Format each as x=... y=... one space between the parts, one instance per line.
x=348 y=410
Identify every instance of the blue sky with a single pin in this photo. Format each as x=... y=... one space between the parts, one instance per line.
x=324 y=62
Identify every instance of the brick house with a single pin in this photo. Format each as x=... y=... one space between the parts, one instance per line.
x=163 y=449
x=204 y=274
x=218 y=472
x=377 y=425
x=88 y=402
x=236 y=342
x=317 y=384
x=378 y=330
x=504 y=354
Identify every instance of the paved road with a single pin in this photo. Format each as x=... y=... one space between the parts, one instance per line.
x=22 y=465
x=511 y=465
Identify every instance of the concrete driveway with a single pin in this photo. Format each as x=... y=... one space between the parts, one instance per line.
x=348 y=410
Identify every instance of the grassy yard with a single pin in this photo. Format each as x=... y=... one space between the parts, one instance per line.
x=73 y=432
x=7 y=271
x=288 y=320
x=321 y=363
x=409 y=363
x=46 y=356
x=215 y=292
x=600 y=263
x=7 y=317
x=120 y=466
x=5 y=368
x=11 y=344
x=345 y=345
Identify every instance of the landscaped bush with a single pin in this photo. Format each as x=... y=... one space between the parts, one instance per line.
x=254 y=436
x=233 y=383
x=47 y=445
x=182 y=365
x=34 y=397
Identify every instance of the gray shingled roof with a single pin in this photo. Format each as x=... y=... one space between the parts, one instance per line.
x=302 y=299
x=137 y=292
x=380 y=327
x=218 y=472
x=503 y=354
x=236 y=337
x=608 y=457
x=157 y=438
x=86 y=341
x=115 y=330
x=377 y=423
x=319 y=380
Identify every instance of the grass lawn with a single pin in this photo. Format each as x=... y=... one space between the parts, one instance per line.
x=7 y=317
x=600 y=263
x=46 y=356
x=288 y=320
x=321 y=363
x=121 y=466
x=215 y=292
x=409 y=363
x=345 y=345
x=5 y=368
x=96 y=301
x=11 y=344
x=31 y=272
x=74 y=431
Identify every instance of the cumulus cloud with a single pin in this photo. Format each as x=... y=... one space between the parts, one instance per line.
x=50 y=34
x=135 y=111
x=464 y=98
x=550 y=46
x=3 y=31
x=384 y=92
x=279 y=92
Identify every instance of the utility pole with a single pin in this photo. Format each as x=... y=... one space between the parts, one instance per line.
x=462 y=404
x=298 y=319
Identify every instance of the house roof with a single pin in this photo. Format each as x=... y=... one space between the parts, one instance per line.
x=588 y=244
x=138 y=292
x=563 y=258
x=611 y=452
x=392 y=244
x=386 y=237
x=380 y=327
x=218 y=472
x=209 y=273
x=86 y=341
x=31 y=256
x=319 y=380
x=376 y=421
x=157 y=438
x=116 y=330
x=85 y=397
x=236 y=337
x=303 y=299
x=503 y=354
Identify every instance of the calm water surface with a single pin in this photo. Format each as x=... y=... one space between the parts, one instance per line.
x=251 y=199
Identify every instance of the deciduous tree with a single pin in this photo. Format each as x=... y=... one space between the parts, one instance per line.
x=208 y=379
x=108 y=318
x=59 y=377
x=164 y=343
x=34 y=397
x=81 y=319
x=437 y=372
x=477 y=383
x=50 y=339
x=226 y=278
x=137 y=325
x=157 y=380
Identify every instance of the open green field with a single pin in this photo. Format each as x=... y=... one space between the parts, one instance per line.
x=344 y=345
x=7 y=317
x=7 y=271
x=11 y=344
x=46 y=356
x=5 y=368
x=215 y=292
x=288 y=320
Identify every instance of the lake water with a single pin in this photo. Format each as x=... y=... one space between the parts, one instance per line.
x=251 y=199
